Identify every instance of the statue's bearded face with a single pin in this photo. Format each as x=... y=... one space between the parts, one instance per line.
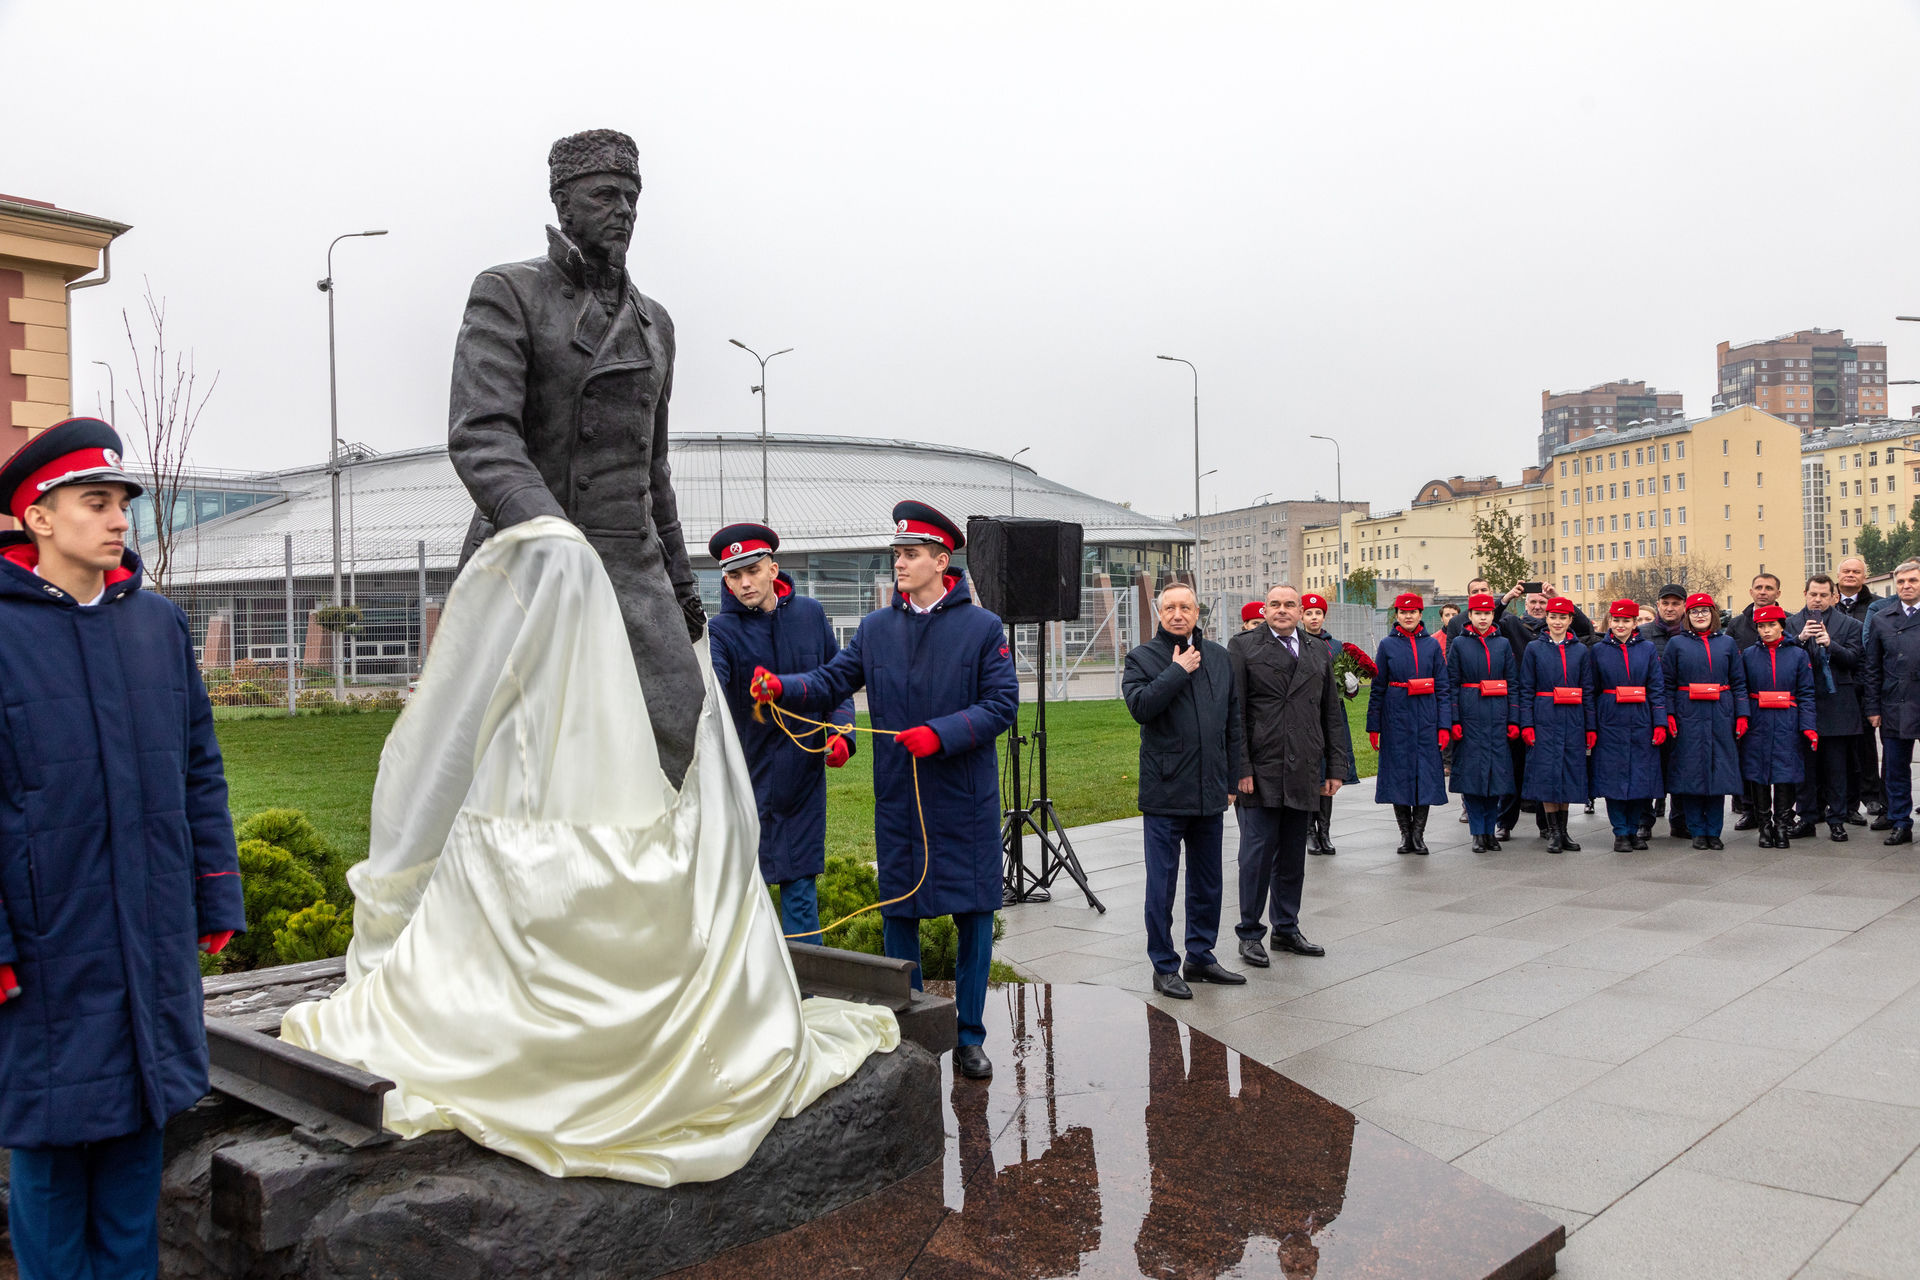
x=596 y=211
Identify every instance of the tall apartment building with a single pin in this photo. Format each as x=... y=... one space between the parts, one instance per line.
x=1696 y=492
x=1431 y=540
x=1814 y=378
x=1246 y=550
x=1568 y=416
x=1853 y=477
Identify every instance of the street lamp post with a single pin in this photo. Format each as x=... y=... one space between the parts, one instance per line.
x=113 y=412
x=1196 y=457
x=1010 y=461
x=761 y=391
x=333 y=450
x=1339 y=516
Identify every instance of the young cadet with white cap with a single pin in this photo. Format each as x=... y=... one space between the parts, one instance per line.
x=940 y=679
x=117 y=864
x=764 y=622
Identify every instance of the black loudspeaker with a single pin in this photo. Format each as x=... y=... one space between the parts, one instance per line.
x=1025 y=570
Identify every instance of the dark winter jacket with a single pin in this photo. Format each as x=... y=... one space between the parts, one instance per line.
x=1836 y=708
x=1409 y=724
x=1190 y=738
x=1482 y=761
x=1557 y=760
x=1740 y=627
x=951 y=670
x=1892 y=676
x=1861 y=603
x=116 y=857
x=1626 y=763
x=1657 y=633
x=1771 y=751
x=1292 y=716
x=1705 y=760
x=789 y=783
x=1581 y=628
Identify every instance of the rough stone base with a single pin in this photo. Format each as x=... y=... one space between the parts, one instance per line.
x=244 y=1196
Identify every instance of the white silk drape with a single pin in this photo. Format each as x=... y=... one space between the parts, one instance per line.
x=553 y=952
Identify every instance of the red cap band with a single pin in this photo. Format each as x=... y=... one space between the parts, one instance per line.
x=1700 y=600
x=1482 y=601
x=1623 y=609
x=75 y=464
x=1252 y=609
x=1769 y=613
x=925 y=530
x=1312 y=601
x=1408 y=600
x=1560 y=604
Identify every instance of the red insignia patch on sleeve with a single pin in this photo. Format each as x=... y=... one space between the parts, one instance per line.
x=1004 y=652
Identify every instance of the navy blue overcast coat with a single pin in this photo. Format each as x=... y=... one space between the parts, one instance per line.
x=116 y=856
x=1557 y=760
x=1409 y=725
x=1482 y=760
x=949 y=669
x=1705 y=760
x=789 y=783
x=1626 y=764
x=1771 y=750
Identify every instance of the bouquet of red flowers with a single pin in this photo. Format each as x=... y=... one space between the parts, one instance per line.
x=1351 y=667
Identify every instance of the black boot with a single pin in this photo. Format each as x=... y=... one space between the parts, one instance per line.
x=1566 y=841
x=1766 y=835
x=1479 y=843
x=1420 y=830
x=1403 y=815
x=1326 y=826
x=1313 y=834
x=1623 y=844
x=1554 y=842
x=1783 y=831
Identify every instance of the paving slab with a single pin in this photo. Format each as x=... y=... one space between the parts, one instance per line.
x=1840 y=1148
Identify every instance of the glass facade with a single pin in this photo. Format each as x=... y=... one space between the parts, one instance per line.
x=192 y=506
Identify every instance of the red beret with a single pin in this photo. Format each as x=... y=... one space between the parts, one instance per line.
x=1252 y=609
x=1700 y=600
x=1408 y=600
x=1769 y=613
x=1623 y=609
x=1560 y=604
x=1312 y=601
x=1482 y=601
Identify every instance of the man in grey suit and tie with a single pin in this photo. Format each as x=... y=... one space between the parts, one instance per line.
x=1296 y=752
x=1892 y=694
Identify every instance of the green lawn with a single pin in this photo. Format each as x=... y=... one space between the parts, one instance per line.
x=325 y=766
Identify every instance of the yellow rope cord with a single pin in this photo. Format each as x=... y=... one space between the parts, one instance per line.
x=780 y=717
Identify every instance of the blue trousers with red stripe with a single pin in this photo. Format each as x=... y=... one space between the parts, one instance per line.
x=88 y=1212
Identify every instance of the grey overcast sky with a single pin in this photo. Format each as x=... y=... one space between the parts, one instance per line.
x=1394 y=223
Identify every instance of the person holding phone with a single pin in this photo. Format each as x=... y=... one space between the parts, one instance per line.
x=1706 y=719
x=1630 y=714
x=1409 y=719
x=1480 y=667
x=1557 y=722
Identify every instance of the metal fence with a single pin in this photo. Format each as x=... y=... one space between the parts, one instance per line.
x=1351 y=623
x=1085 y=658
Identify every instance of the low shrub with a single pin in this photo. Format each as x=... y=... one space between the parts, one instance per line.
x=275 y=885
x=850 y=883
x=317 y=932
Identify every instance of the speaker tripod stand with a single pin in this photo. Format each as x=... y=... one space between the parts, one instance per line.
x=1036 y=815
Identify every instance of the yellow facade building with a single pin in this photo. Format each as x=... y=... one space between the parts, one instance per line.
x=44 y=251
x=1720 y=496
x=1429 y=544
x=1853 y=477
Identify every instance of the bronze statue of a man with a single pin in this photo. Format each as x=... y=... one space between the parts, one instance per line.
x=561 y=378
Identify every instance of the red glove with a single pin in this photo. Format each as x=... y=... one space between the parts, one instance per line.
x=1673 y=727
x=1513 y=731
x=1740 y=726
x=1445 y=738
x=1592 y=738
x=838 y=752
x=1527 y=735
x=1659 y=734
x=1458 y=733
x=765 y=686
x=9 y=985
x=1813 y=739
x=1373 y=740
x=920 y=741
x=211 y=943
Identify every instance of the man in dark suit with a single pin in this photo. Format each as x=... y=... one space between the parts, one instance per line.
x=1834 y=642
x=1295 y=726
x=1863 y=774
x=1893 y=694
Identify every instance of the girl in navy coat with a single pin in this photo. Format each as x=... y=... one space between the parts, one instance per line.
x=1556 y=721
x=1630 y=714
x=1481 y=669
x=1706 y=717
x=1780 y=689
x=1313 y=620
x=1409 y=714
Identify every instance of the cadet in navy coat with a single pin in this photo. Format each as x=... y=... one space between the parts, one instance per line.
x=1481 y=670
x=1313 y=619
x=938 y=673
x=1556 y=721
x=1780 y=693
x=764 y=623
x=1630 y=718
x=1706 y=716
x=117 y=863
x=1410 y=710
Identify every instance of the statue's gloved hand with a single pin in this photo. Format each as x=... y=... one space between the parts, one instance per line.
x=696 y=617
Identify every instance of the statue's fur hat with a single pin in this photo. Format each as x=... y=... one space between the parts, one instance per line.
x=595 y=151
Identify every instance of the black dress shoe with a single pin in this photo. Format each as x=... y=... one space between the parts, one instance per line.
x=1170 y=985
x=1875 y=807
x=1639 y=842
x=1294 y=942
x=1800 y=831
x=1899 y=835
x=1700 y=842
x=1253 y=953
x=1855 y=818
x=971 y=1061
x=1623 y=844
x=1881 y=823
x=1747 y=822
x=1479 y=843
x=1713 y=842
x=1837 y=832
x=1212 y=973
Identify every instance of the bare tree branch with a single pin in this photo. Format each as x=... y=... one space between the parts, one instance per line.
x=168 y=411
